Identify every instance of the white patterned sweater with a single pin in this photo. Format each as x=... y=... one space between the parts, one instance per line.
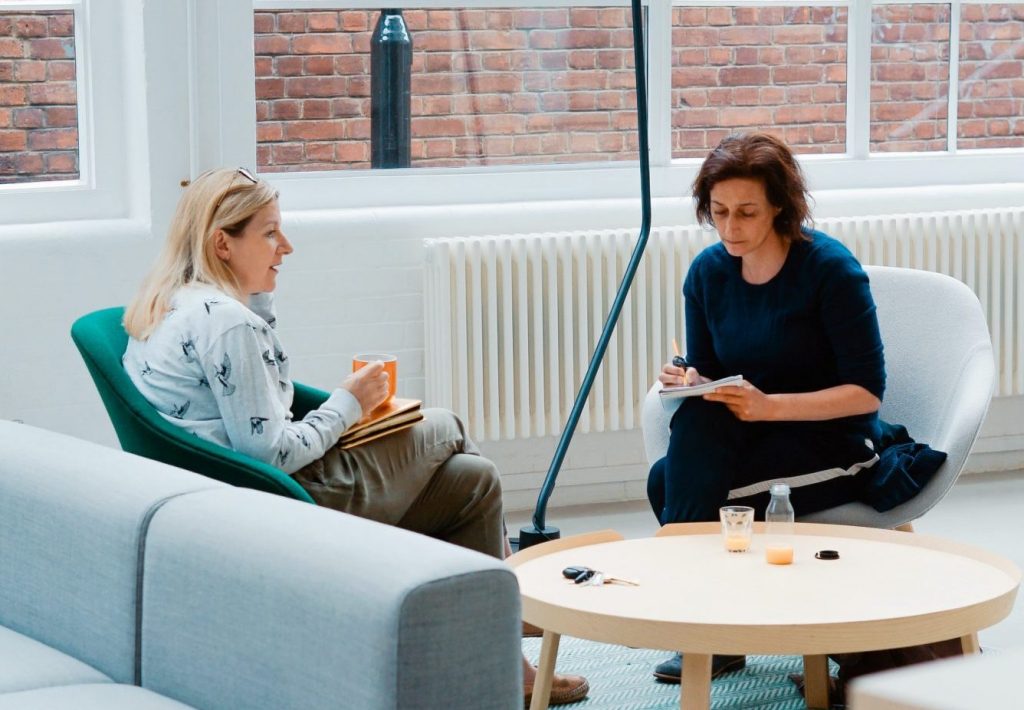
x=217 y=369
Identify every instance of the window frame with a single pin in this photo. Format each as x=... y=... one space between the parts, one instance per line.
x=857 y=168
x=101 y=190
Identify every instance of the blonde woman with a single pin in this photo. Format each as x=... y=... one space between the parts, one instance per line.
x=203 y=350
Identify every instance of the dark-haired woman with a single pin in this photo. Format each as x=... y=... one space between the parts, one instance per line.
x=790 y=309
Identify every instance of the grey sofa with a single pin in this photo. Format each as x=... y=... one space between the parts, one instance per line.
x=125 y=583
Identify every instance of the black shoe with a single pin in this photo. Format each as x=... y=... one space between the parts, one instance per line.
x=671 y=671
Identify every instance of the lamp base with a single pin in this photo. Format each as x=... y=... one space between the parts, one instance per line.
x=530 y=536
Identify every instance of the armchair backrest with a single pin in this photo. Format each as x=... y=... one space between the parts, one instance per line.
x=101 y=339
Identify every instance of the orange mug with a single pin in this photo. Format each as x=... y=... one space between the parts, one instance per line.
x=390 y=367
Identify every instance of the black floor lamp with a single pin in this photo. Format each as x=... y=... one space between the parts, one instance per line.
x=540 y=531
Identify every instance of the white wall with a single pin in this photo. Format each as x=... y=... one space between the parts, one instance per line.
x=354 y=283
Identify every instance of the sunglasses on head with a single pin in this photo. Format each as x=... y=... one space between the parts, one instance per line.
x=244 y=172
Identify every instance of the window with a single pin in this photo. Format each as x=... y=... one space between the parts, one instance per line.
x=501 y=86
x=38 y=97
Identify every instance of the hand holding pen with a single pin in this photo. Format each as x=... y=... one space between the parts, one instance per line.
x=670 y=374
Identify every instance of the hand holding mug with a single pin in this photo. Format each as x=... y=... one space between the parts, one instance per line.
x=369 y=385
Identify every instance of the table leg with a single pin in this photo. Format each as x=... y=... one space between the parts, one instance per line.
x=816 y=681
x=696 y=690
x=545 y=671
x=970 y=644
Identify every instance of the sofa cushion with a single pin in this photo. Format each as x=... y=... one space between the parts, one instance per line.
x=108 y=696
x=71 y=516
x=26 y=664
x=255 y=601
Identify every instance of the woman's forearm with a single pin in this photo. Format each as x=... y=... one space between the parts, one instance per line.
x=831 y=403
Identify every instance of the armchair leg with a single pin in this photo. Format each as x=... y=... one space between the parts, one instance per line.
x=906 y=527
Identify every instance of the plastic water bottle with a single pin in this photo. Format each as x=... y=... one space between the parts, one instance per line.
x=779 y=519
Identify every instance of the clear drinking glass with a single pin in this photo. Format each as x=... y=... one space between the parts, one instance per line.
x=737 y=527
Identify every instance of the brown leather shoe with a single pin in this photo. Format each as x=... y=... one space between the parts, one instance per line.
x=564 y=689
x=531 y=631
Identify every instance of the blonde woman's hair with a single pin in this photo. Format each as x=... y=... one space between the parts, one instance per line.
x=219 y=199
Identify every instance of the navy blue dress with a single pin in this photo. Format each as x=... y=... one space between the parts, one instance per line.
x=811 y=327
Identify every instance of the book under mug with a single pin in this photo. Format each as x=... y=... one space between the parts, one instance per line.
x=393 y=416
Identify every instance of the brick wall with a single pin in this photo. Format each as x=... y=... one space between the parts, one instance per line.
x=745 y=68
x=538 y=86
x=990 y=108
x=491 y=87
x=38 y=97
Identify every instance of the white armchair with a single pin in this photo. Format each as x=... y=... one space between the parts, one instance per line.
x=940 y=375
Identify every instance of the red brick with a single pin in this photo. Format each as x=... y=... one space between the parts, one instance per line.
x=583 y=17
x=30 y=164
x=687 y=76
x=267 y=132
x=263 y=23
x=523 y=61
x=497 y=145
x=29 y=71
x=771 y=55
x=29 y=118
x=316 y=108
x=11 y=47
x=610 y=100
x=52 y=93
x=772 y=95
x=347 y=107
x=356 y=21
x=322 y=44
x=320 y=152
x=689 y=16
x=474 y=104
x=720 y=16
x=583 y=59
x=720 y=97
x=797 y=75
x=288 y=65
x=442 y=106
x=582 y=142
x=613 y=17
x=53 y=139
x=313 y=130
x=31 y=26
x=319 y=86
x=349 y=64
x=554 y=101
x=746 y=55
x=610 y=142
x=272 y=44
x=744 y=76
x=585 y=39
x=799 y=114
x=719 y=56
x=318 y=65
x=61 y=163
x=579 y=101
x=60 y=71
x=527 y=145
x=62 y=24
x=358 y=86
x=284 y=110
x=504 y=125
x=747 y=96
x=291 y=22
x=264 y=66
x=269 y=88
x=525 y=103
x=745 y=117
x=285 y=153
x=358 y=128
x=323 y=22
x=745 y=35
x=695 y=117
x=496 y=40
x=13 y=140
x=695 y=37
x=351 y=152
x=438 y=42
x=468 y=146
x=801 y=34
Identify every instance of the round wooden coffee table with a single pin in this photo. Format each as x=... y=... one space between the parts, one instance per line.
x=888 y=589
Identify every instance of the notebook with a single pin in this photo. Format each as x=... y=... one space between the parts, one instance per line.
x=396 y=415
x=671 y=396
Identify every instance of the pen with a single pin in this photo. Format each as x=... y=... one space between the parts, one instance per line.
x=677 y=360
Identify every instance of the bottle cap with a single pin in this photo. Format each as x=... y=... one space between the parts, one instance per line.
x=780 y=489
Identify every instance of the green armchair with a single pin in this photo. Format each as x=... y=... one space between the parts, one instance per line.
x=101 y=339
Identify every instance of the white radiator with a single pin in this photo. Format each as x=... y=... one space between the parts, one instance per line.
x=511 y=321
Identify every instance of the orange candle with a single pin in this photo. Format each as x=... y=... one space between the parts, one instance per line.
x=737 y=543
x=779 y=554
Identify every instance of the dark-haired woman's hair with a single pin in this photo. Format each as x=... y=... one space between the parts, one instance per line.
x=763 y=157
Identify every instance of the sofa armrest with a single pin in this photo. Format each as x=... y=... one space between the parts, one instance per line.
x=256 y=601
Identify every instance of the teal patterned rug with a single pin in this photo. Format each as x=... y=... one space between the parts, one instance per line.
x=620 y=679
